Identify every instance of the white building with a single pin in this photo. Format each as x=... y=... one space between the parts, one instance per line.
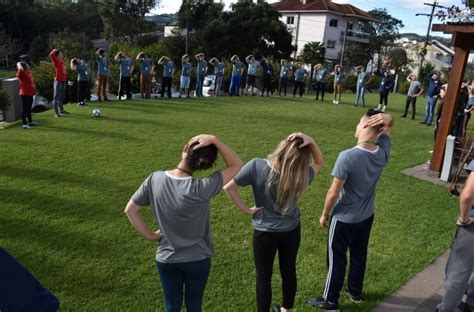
x=323 y=21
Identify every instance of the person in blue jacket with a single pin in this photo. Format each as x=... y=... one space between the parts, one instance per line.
x=431 y=97
x=267 y=73
x=385 y=86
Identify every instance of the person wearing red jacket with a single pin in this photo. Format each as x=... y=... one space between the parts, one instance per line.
x=27 y=91
x=60 y=79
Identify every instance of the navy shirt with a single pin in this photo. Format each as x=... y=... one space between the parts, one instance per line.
x=145 y=66
x=386 y=84
x=82 y=71
x=102 y=66
x=434 y=86
x=125 y=67
x=267 y=70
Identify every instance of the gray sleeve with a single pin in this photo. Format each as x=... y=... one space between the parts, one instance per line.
x=142 y=195
x=384 y=143
x=244 y=176
x=211 y=185
x=341 y=168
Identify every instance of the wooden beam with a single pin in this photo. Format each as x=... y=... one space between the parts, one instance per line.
x=463 y=40
x=450 y=105
x=450 y=28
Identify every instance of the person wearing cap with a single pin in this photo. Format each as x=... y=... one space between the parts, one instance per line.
x=201 y=70
x=432 y=95
x=385 y=86
x=82 y=69
x=60 y=78
x=285 y=71
x=300 y=74
x=27 y=92
x=102 y=74
x=460 y=265
x=168 y=71
x=185 y=79
x=146 y=74
x=126 y=69
x=414 y=90
x=237 y=68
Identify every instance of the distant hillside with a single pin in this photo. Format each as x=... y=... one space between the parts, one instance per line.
x=412 y=36
x=163 y=19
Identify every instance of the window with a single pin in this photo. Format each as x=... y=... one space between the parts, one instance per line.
x=333 y=22
x=290 y=20
x=350 y=27
x=331 y=44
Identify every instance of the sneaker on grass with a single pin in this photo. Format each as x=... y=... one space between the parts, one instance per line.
x=355 y=299
x=26 y=127
x=320 y=303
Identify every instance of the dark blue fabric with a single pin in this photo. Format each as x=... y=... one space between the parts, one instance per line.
x=192 y=275
x=234 y=85
x=434 y=86
x=20 y=291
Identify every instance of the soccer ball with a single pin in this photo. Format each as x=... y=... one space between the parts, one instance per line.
x=96 y=112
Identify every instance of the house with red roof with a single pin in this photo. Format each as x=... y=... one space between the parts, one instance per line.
x=325 y=21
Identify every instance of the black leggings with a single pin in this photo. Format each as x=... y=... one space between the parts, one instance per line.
x=320 y=87
x=125 y=87
x=384 y=98
x=410 y=100
x=166 y=84
x=26 y=102
x=267 y=85
x=83 y=91
x=300 y=85
x=265 y=246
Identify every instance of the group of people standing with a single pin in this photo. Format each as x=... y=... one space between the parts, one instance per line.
x=181 y=207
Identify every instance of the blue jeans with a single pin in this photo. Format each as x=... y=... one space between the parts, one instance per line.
x=360 y=93
x=430 y=106
x=234 y=85
x=199 y=83
x=192 y=275
x=59 y=95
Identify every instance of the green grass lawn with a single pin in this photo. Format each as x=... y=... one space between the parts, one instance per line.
x=7 y=73
x=64 y=186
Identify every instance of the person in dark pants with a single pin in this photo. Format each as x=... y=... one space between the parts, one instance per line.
x=102 y=74
x=460 y=264
x=126 y=69
x=320 y=76
x=277 y=183
x=237 y=69
x=181 y=208
x=385 y=86
x=351 y=197
x=168 y=71
x=463 y=100
x=300 y=74
x=414 y=91
x=60 y=79
x=201 y=71
x=83 y=80
x=285 y=71
x=432 y=96
x=267 y=73
x=27 y=91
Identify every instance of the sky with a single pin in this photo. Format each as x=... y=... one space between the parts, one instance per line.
x=404 y=10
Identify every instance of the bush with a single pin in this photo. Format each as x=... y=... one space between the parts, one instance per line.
x=350 y=83
x=4 y=101
x=403 y=87
x=374 y=83
x=44 y=79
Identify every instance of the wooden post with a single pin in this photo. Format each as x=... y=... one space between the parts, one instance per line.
x=462 y=43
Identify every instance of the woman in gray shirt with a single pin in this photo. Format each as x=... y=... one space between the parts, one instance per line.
x=277 y=184
x=181 y=208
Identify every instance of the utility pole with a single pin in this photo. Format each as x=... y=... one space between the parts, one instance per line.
x=423 y=52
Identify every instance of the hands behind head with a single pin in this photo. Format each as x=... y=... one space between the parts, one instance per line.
x=379 y=119
x=307 y=140
x=201 y=141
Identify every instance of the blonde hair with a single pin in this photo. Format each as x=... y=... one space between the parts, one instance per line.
x=289 y=174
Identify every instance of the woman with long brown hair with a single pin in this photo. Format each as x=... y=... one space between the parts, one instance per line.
x=277 y=184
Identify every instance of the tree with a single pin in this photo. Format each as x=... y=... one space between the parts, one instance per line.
x=8 y=46
x=356 y=54
x=72 y=44
x=383 y=32
x=399 y=58
x=313 y=53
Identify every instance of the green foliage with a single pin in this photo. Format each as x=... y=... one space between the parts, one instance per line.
x=427 y=69
x=39 y=48
x=398 y=58
x=73 y=45
x=374 y=83
x=64 y=186
x=313 y=53
x=4 y=101
x=350 y=83
x=356 y=55
x=44 y=79
x=403 y=86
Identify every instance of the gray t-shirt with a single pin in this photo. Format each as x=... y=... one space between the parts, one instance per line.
x=168 y=69
x=237 y=68
x=300 y=73
x=415 y=88
x=219 y=69
x=362 y=79
x=269 y=219
x=181 y=207
x=201 y=67
x=361 y=169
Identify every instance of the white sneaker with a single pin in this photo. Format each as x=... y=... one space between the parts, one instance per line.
x=337 y=102
x=26 y=127
x=333 y=102
x=383 y=109
x=379 y=107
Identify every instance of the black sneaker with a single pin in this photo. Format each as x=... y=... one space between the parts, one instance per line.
x=320 y=303
x=64 y=113
x=276 y=307
x=355 y=299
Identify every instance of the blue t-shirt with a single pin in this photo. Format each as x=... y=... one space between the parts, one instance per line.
x=361 y=169
x=434 y=86
x=201 y=67
x=237 y=68
x=300 y=73
x=321 y=75
x=82 y=71
x=102 y=66
x=339 y=78
x=145 y=66
x=186 y=69
x=125 y=67
x=285 y=71
x=219 y=69
x=253 y=66
x=270 y=218
x=168 y=69
x=386 y=84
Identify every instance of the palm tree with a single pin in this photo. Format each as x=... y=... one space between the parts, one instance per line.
x=313 y=53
